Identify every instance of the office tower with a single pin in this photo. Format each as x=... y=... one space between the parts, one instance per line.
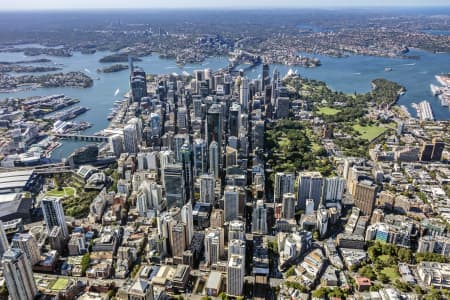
x=187 y=219
x=333 y=190
x=236 y=230
x=4 y=245
x=364 y=197
x=137 y=122
x=130 y=138
x=197 y=103
x=207 y=184
x=244 y=94
x=54 y=215
x=236 y=247
x=231 y=202
x=178 y=142
x=282 y=107
x=186 y=160
x=309 y=207
x=265 y=76
x=309 y=187
x=207 y=73
x=259 y=218
x=275 y=86
x=178 y=239
x=198 y=76
x=258 y=135
x=284 y=183
x=217 y=218
x=288 y=208
x=116 y=144
x=231 y=155
x=155 y=124
x=28 y=245
x=200 y=157
x=234 y=119
x=214 y=245
x=214 y=122
x=438 y=148
x=426 y=152
x=149 y=198
x=138 y=84
x=18 y=275
x=322 y=221
x=235 y=275
x=214 y=159
x=182 y=118
x=174 y=185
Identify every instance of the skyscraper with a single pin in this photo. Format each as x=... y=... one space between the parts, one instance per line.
x=174 y=185
x=214 y=159
x=364 y=197
x=207 y=184
x=236 y=230
x=309 y=187
x=214 y=245
x=333 y=190
x=284 y=183
x=200 y=157
x=244 y=94
x=178 y=239
x=235 y=275
x=234 y=119
x=130 y=138
x=28 y=245
x=236 y=247
x=289 y=203
x=18 y=275
x=187 y=219
x=116 y=144
x=214 y=122
x=231 y=202
x=186 y=160
x=54 y=215
x=265 y=76
x=259 y=218
x=138 y=84
x=438 y=148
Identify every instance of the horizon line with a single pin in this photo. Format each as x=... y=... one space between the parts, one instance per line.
x=232 y=8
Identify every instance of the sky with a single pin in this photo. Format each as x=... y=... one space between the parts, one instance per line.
x=114 y=4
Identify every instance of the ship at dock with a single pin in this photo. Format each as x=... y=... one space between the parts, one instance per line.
x=443 y=92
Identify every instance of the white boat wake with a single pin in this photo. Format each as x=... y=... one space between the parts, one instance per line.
x=117 y=92
x=87 y=70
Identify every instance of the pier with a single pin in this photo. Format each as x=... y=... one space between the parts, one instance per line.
x=84 y=138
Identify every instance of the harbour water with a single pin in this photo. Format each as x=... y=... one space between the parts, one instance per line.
x=350 y=74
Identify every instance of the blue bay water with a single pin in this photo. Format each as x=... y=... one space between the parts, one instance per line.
x=350 y=74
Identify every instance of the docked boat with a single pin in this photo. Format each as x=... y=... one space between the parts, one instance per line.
x=435 y=90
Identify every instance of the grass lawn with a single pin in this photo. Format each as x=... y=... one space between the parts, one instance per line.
x=65 y=192
x=391 y=272
x=369 y=132
x=329 y=111
x=60 y=284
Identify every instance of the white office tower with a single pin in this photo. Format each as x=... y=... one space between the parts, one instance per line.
x=214 y=159
x=333 y=191
x=155 y=124
x=28 y=245
x=18 y=275
x=54 y=215
x=236 y=247
x=207 y=184
x=322 y=220
x=151 y=160
x=130 y=138
x=187 y=219
x=166 y=158
x=259 y=224
x=137 y=122
x=231 y=202
x=235 y=275
x=116 y=144
x=288 y=208
x=284 y=183
x=214 y=245
x=244 y=94
x=207 y=75
x=309 y=208
x=200 y=157
x=4 y=245
x=149 y=199
x=182 y=118
x=236 y=230
x=309 y=187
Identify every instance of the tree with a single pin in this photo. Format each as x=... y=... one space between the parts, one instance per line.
x=85 y=262
x=223 y=296
x=321 y=293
